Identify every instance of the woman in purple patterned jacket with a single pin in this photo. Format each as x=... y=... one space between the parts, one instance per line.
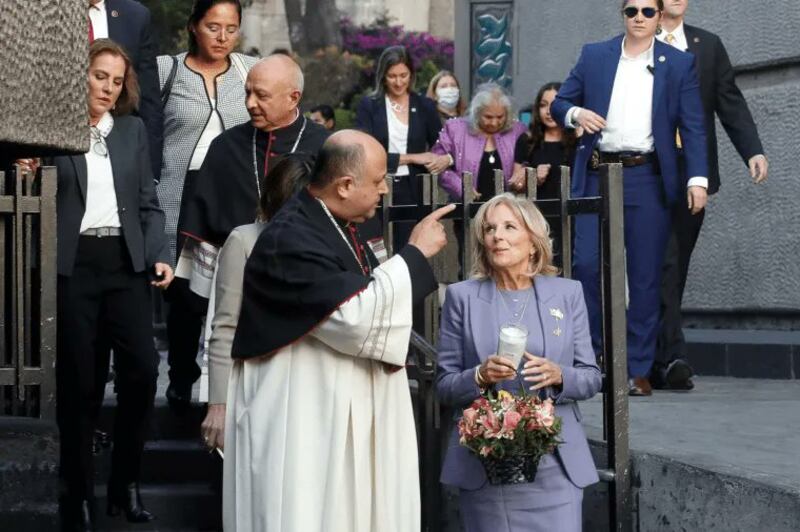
x=480 y=143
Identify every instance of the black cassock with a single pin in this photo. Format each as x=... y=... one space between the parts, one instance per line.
x=226 y=191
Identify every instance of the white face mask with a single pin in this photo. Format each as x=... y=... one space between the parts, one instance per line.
x=448 y=97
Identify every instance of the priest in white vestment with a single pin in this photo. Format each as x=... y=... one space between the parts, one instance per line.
x=320 y=433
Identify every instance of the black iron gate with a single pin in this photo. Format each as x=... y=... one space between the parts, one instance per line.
x=28 y=293
x=613 y=361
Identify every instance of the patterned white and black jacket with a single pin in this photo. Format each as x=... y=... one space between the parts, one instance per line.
x=186 y=113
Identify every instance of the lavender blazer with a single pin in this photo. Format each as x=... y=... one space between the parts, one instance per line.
x=466 y=148
x=468 y=335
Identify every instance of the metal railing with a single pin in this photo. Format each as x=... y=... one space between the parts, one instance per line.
x=28 y=293
x=613 y=360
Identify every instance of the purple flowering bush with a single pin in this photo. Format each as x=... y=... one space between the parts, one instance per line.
x=340 y=77
x=429 y=53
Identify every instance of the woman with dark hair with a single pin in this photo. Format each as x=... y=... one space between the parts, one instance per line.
x=110 y=239
x=546 y=146
x=407 y=125
x=445 y=90
x=203 y=94
x=285 y=178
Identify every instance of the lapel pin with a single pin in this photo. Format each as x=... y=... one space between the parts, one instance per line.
x=556 y=313
x=661 y=59
x=696 y=39
x=413 y=109
x=114 y=13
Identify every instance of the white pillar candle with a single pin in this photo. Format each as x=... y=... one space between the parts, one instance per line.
x=513 y=339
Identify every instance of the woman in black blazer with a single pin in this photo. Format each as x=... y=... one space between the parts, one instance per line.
x=407 y=125
x=110 y=240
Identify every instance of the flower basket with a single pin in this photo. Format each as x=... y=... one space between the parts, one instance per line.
x=514 y=469
x=509 y=434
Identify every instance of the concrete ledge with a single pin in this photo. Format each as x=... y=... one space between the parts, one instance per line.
x=672 y=495
x=744 y=354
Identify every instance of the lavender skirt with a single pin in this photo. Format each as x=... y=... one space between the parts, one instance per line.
x=552 y=502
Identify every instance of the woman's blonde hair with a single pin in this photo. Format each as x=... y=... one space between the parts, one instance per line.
x=534 y=222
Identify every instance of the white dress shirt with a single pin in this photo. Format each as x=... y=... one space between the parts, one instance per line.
x=101 y=196
x=98 y=16
x=398 y=136
x=212 y=130
x=629 y=123
x=679 y=36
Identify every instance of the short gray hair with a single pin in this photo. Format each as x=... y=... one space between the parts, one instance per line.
x=485 y=95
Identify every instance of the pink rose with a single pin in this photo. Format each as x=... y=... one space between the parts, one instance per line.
x=492 y=424
x=511 y=420
x=470 y=415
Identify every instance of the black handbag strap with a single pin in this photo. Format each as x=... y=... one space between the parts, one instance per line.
x=167 y=89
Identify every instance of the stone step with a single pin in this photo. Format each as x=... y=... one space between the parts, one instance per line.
x=176 y=507
x=170 y=462
x=165 y=423
x=751 y=354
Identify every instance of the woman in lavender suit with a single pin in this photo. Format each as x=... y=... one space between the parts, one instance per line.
x=514 y=282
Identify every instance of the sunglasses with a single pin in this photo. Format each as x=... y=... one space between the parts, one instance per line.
x=648 y=12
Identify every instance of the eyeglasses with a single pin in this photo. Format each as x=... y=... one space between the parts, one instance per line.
x=648 y=12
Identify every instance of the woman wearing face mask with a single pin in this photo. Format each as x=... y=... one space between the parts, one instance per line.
x=407 y=125
x=445 y=90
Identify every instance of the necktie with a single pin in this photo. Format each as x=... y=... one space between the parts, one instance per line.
x=91 y=31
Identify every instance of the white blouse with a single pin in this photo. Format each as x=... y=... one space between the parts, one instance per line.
x=398 y=136
x=212 y=130
x=101 y=197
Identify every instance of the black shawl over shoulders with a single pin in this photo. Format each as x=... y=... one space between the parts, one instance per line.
x=225 y=194
x=300 y=271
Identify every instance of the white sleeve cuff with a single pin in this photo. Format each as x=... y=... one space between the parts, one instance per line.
x=571 y=117
x=698 y=182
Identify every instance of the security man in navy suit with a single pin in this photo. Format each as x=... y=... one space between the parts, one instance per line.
x=630 y=95
x=127 y=22
x=721 y=97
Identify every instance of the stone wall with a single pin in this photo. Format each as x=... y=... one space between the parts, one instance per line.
x=746 y=258
x=43 y=81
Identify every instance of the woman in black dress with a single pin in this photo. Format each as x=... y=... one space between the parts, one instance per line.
x=546 y=147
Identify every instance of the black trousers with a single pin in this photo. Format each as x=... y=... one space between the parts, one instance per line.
x=184 y=328
x=103 y=293
x=685 y=231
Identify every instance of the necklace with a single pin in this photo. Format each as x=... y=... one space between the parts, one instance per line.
x=364 y=267
x=98 y=142
x=396 y=107
x=266 y=153
x=520 y=314
x=491 y=158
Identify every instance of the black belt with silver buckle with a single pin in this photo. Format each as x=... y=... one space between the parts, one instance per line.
x=101 y=232
x=626 y=159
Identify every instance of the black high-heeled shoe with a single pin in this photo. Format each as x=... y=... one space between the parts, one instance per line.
x=127 y=499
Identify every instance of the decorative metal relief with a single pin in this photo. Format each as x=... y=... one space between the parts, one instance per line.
x=491 y=43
